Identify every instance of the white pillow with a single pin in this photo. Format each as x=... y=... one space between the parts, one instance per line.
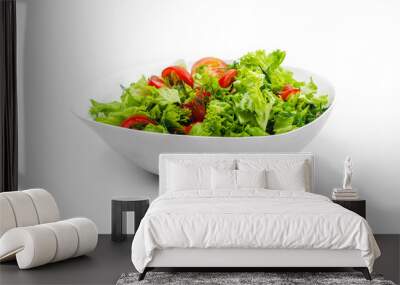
x=292 y=179
x=183 y=178
x=228 y=179
x=251 y=178
x=291 y=175
x=223 y=179
x=193 y=175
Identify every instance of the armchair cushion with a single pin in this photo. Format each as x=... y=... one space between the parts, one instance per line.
x=40 y=244
x=27 y=208
x=31 y=230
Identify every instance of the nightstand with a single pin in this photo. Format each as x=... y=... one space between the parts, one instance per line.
x=119 y=207
x=357 y=206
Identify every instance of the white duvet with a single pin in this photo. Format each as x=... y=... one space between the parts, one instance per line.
x=250 y=219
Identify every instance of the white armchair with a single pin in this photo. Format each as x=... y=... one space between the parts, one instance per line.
x=31 y=230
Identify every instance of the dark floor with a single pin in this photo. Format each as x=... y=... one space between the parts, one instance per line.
x=110 y=260
x=103 y=266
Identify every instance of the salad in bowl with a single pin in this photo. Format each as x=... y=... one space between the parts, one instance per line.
x=251 y=96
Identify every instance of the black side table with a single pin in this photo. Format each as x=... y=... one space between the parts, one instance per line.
x=357 y=206
x=119 y=207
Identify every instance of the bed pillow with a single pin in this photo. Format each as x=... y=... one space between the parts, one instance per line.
x=227 y=179
x=251 y=178
x=293 y=179
x=223 y=179
x=291 y=175
x=193 y=175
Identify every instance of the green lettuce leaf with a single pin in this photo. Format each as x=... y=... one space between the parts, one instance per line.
x=155 y=129
x=174 y=117
x=199 y=129
x=170 y=95
x=253 y=109
x=218 y=121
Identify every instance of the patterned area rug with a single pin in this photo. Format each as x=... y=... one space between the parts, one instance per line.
x=244 y=278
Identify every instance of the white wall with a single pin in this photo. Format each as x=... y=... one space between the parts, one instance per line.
x=66 y=46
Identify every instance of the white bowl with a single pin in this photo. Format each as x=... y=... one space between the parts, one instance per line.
x=143 y=148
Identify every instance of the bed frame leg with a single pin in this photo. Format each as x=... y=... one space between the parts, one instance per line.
x=143 y=274
x=364 y=271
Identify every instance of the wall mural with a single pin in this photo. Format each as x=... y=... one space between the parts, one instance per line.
x=252 y=104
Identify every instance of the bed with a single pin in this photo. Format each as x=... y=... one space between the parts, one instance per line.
x=246 y=211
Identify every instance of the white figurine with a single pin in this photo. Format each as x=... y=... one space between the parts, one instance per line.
x=348 y=173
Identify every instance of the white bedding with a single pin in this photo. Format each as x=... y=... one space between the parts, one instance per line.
x=251 y=218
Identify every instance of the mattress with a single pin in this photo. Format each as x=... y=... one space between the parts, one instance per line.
x=250 y=219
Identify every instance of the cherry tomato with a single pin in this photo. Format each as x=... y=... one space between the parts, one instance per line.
x=228 y=78
x=156 y=81
x=215 y=66
x=136 y=120
x=180 y=72
x=288 y=90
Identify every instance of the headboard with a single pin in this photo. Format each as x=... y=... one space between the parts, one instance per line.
x=164 y=158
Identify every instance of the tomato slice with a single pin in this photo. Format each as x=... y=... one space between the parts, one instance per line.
x=215 y=66
x=137 y=120
x=287 y=91
x=202 y=95
x=187 y=129
x=180 y=72
x=228 y=78
x=198 y=106
x=198 y=109
x=156 y=81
